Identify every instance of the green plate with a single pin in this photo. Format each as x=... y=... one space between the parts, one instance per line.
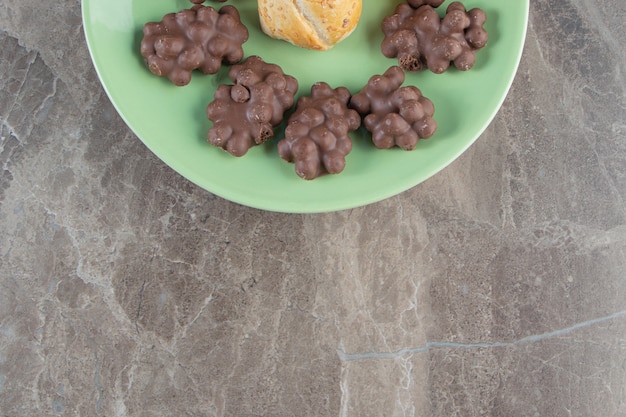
x=172 y=123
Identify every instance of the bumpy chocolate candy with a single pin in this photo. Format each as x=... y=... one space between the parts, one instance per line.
x=245 y=114
x=196 y=38
x=417 y=3
x=316 y=137
x=419 y=38
x=396 y=116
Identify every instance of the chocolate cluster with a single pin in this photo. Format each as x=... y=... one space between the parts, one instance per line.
x=197 y=38
x=316 y=138
x=417 y=3
x=420 y=39
x=245 y=114
x=395 y=115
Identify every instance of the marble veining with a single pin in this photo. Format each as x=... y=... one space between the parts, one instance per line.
x=350 y=357
x=495 y=288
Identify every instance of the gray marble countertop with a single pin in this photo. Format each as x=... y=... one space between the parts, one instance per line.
x=495 y=288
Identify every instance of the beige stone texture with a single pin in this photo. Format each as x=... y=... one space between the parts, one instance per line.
x=496 y=288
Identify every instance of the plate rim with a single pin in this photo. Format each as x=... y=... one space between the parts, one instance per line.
x=296 y=207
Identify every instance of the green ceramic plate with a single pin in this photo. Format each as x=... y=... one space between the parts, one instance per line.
x=171 y=120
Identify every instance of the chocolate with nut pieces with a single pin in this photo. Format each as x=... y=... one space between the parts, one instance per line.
x=245 y=114
x=316 y=138
x=197 y=38
x=417 y=3
x=395 y=115
x=420 y=39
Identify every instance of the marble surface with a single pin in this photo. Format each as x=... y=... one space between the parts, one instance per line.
x=495 y=288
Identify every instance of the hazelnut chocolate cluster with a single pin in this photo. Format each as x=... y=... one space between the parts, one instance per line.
x=395 y=115
x=245 y=114
x=316 y=138
x=420 y=39
x=197 y=38
x=417 y=3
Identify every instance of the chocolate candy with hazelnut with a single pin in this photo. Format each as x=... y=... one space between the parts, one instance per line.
x=316 y=138
x=245 y=114
x=395 y=115
x=197 y=38
x=420 y=39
